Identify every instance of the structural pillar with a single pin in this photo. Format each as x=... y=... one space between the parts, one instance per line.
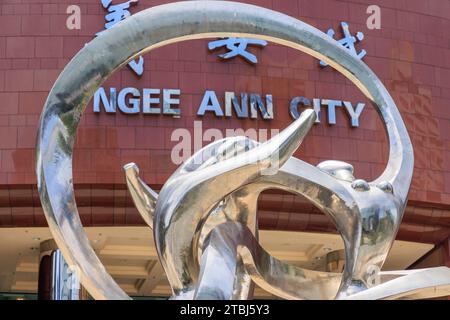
x=57 y=280
x=446 y=253
x=335 y=261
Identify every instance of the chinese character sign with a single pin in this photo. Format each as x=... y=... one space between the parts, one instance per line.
x=116 y=13
x=348 y=41
x=237 y=47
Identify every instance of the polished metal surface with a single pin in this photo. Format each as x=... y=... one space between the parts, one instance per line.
x=116 y=13
x=143 y=196
x=194 y=190
x=232 y=239
x=409 y=285
x=215 y=192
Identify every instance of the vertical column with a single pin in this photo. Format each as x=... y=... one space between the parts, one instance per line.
x=57 y=280
x=335 y=261
x=65 y=280
x=45 y=278
x=446 y=254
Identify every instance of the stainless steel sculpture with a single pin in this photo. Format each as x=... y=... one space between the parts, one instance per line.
x=206 y=211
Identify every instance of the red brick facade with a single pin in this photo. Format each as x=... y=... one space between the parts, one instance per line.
x=410 y=54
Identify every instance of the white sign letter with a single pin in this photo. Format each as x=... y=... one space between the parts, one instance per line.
x=374 y=20
x=100 y=95
x=135 y=102
x=148 y=101
x=354 y=114
x=168 y=100
x=74 y=20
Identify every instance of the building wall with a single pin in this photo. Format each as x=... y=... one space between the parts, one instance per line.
x=410 y=54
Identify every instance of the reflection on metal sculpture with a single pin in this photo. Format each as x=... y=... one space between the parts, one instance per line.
x=118 y=12
x=205 y=215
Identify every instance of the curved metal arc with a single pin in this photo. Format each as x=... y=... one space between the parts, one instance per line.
x=231 y=240
x=143 y=196
x=327 y=194
x=306 y=181
x=181 y=213
x=58 y=202
x=417 y=284
x=295 y=176
x=159 y=26
x=285 y=280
